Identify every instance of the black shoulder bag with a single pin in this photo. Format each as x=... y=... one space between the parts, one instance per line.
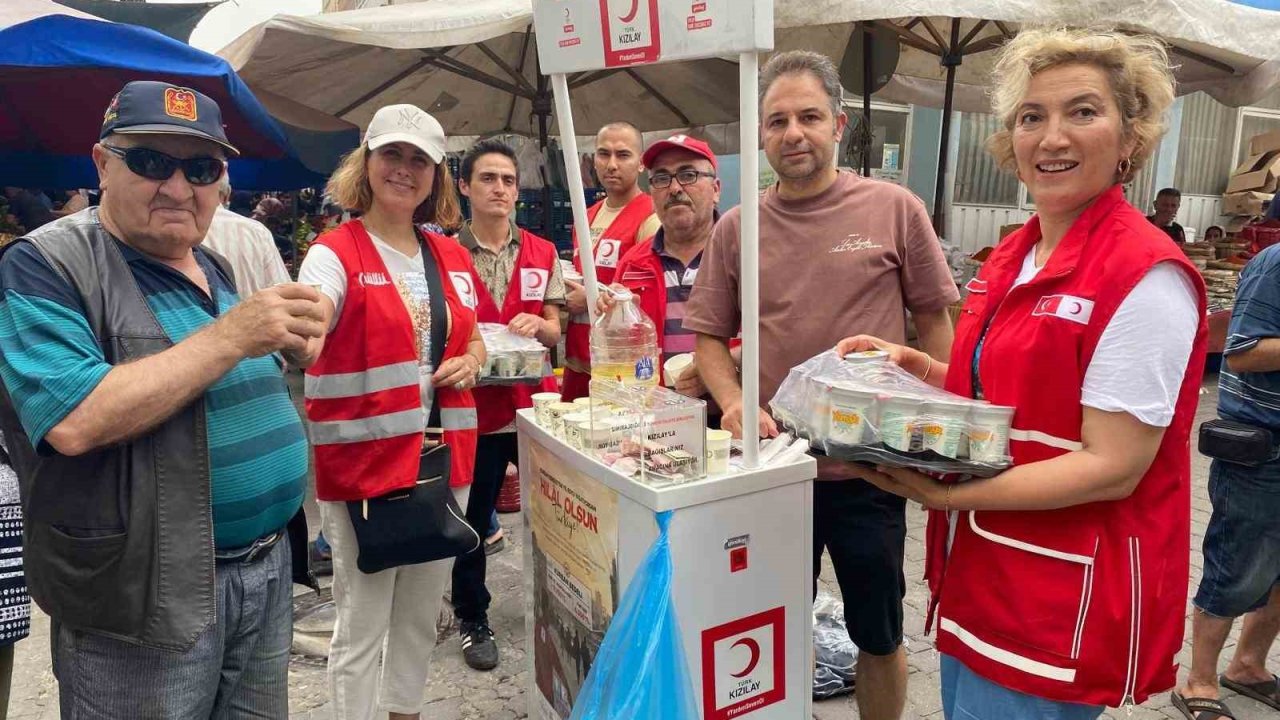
x=421 y=523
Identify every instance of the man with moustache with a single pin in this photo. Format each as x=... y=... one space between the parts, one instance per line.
x=837 y=252
x=159 y=453
x=623 y=218
x=661 y=273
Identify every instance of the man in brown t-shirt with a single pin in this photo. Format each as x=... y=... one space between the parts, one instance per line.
x=839 y=254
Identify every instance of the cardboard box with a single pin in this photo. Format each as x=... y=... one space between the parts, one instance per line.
x=1006 y=229
x=1245 y=203
x=1264 y=143
x=1236 y=224
x=1260 y=172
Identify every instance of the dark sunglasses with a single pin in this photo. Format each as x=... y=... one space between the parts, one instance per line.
x=155 y=165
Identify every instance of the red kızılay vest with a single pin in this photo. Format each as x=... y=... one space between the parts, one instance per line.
x=363 y=402
x=614 y=242
x=535 y=262
x=1083 y=604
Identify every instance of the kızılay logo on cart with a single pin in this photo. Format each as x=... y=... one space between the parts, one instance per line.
x=744 y=665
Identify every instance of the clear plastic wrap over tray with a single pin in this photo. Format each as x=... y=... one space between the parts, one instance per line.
x=651 y=434
x=864 y=408
x=511 y=358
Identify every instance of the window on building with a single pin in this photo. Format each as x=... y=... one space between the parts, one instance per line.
x=1205 y=149
x=890 y=136
x=978 y=180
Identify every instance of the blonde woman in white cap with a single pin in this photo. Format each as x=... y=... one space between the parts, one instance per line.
x=371 y=391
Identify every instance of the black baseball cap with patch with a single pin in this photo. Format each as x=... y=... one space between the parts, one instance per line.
x=149 y=107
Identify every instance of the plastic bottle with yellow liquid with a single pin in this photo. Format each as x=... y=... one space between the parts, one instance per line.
x=624 y=343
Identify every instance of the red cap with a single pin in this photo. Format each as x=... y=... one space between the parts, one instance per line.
x=683 y=142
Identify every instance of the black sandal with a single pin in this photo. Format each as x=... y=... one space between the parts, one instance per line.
x=1200 y=708
x=1266 y=692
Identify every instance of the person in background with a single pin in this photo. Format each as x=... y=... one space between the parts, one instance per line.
x=241 y=203
x=74 y=201
x=518 y=283
x=1059 y=584
x=15 y=604
x=623 y=218
x=332 y=215
x=246 y=244
x=27 y=208
x=271 y=213
x=1242 y=543
x=661 y=273
x=1167 y=203
x=130 y=366
x=1215 y=233
x=1273 y=210
x=833 y=245
x=377 y=276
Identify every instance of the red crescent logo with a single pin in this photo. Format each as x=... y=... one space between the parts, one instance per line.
x=1078 y=308
x=635 y=8
x=465 y=282
x=534 y=280
x=754 y=648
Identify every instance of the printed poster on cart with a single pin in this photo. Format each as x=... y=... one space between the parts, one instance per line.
x=574 y=521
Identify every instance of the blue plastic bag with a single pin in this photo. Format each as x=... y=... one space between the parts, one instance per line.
x=640 y=672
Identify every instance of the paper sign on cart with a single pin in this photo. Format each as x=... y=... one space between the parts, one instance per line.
x=580 y=35
x=744 y=665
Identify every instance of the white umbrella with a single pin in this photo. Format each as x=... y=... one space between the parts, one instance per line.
x=472 y=64
x=1225 y=49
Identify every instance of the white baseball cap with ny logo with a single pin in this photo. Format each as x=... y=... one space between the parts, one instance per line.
x=406 y=123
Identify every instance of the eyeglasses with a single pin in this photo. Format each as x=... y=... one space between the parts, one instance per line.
x=684 y=177
x=155 y=165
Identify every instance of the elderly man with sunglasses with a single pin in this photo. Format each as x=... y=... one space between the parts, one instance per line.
x=159 y=455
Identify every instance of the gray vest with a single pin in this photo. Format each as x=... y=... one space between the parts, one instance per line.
x=119 y=541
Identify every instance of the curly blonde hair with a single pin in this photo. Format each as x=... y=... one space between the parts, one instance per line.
x=1136 y=65
x=349 y=187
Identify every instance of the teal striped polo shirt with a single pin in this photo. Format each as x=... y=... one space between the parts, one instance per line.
x=52 y=361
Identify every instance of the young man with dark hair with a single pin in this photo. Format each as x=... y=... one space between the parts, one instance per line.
x=1167 y=203
x=518 y=283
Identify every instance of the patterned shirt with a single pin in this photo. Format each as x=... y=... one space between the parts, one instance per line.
x=52 y=361
x=1253 y=397
x=495 y=268
x=678 y=279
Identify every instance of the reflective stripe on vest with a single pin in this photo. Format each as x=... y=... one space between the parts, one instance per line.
x=354 y=384
x=378 y=427
x=464 y=418
x=1006 y=657
x=1052 y=441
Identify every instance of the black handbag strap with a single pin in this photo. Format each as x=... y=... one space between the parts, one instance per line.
x=439 y=316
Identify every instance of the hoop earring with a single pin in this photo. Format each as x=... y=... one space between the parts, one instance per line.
x=1124 y=167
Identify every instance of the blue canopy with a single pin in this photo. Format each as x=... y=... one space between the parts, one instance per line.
x=58 y=73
